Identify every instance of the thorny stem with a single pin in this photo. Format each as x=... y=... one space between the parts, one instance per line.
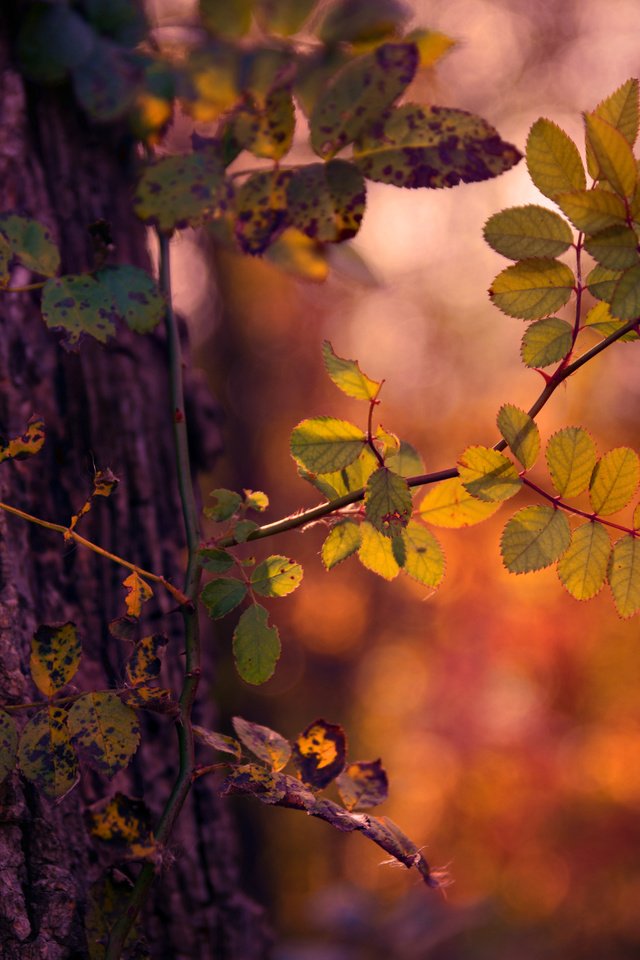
x=190 y=617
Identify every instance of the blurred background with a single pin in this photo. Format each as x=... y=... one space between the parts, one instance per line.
x=506 y=714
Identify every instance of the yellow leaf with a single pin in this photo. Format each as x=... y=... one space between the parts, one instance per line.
x=487 y=474
x=571 y=457
x=613 y=154
x=138 y=593
x=376 y=552
x=521 y=433
x=614 y=480
x=532 y=289
x=583 y=568
x=553 y=160
x=624 y=575
x=534 y=538
x=449 y=505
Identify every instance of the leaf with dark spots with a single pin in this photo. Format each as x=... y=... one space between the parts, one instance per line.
x=26 y=444
x=261 y=210
x=135 y=295
x=31 y=243
x=45 y=754
x=55 y=656
x=327 y=200
x=144 y=664
x=363 y=785
x=104 y=731
x=79 y=305
x=319 y=753
x=180 y=191
x=123 y=822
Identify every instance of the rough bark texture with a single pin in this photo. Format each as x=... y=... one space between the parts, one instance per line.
x=106 y=406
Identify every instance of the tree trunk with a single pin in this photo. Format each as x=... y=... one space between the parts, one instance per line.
x=105 y=407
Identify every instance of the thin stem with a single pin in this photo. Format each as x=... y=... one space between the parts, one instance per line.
x=70 y=534
x=190 y=616
x=25 y=288
x=562 y=505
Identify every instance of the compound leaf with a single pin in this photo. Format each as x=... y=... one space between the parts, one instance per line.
x=223 y=595
x=553 y=160
x=55 y=656
x=8 y=744
x=387 y=501
x=624 y=575
x=530 y=231
x=534 y=538
x=449 y=504
x=263 y=742
x=276 y=576
x=583 y=568
x=31 y=243
x=327 y=200
x=376 y=552
x=521 y=433
x=487 y=474
x=423 y=556
x=571 y=457
x=45 y=754
x=256 y=645
x=546 y=341
x=363 y=785
x=343 y=540
x=325 y=444
x=614 y=480
x=613 y=155
x=319 y=753
x=533 y=288
x=105 y=731
x=347 y=375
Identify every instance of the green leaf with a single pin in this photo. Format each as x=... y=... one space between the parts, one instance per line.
x=616 y=247
x=27 y=444
x=135 y=295
x=223 y=595
x=423 y=559
x=52 y=40
x=144 y=664
x=319 y=753
x=45 y=754
x=602 y=282
x=448 y=504
x=347 y=375
x=614 y=480
x=31 y=243
x=599 y=318
x=325 y=444
x=327 y=200
x=55 y=656
x=361 y=21
x=583 y=568
x=407 y=462
x=227 y=502
x=388 y=501
x=487 y=474
x=625 y=302
x=592 y=210
x=283 y=17
x=79 y=305
x=256 y=645
x=343 y=540
x=265 y=743
x=8 y=744
x=226 y=19
x=521 y=433
x=414 y=146
x=358 y=95
x=524 y=232
x=104 y=731
x=215 y=560
x=353 y=477
x=571 y=457
x=180 y=191
x=532 y=289
x=243 y=530
x=376 y=552
x=218 y=741
x=363 y=785
x=546 y=341
x=276 y=577
x=107 y=84
x=624 y=575
x=613 y=154
x=620 y=109
x=553 y=160
x=534 y=538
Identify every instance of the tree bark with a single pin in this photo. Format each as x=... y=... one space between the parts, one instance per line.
x=105 y=407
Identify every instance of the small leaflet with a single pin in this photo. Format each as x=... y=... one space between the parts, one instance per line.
x=620 y=109
x=363 y=785
x=521 y=433
x=223 y=595
x=256 y=500
x=154 y=699
x=243 y=529
x=358 y=94
x=599 y=318
x=138 y=592
x=613 y=155
x=592 y=210
x=448 y=504
x=487 y=474
x=553 y=160
x=534 y=538
x=602 y=282
x=571 y=457
x=616 y=247
x=125 y=822
x=415 y=146
x=625 y=302
x=276 y=576
x=180 y=191
x=388 y=502
x=8 y=744
x=79 y=305
x=266 y=744
x=104 y=731
x=104 y=483
x=256 y=645
x=144 y=664
x=319 y=753
x=135 y=295
x=325 y=444
x=531 y=231
x=546 y=341
x=218 y=741
x=343 y=540
x=252 y=778
x=614 y=480
x=376 y=552
x=27 y=444
x=215 y=560
x=227 y=502
x=347 y=375
x=31 y=243
x=55 y=656
x=266 y=127
x=407 y=462
x=532 y=289
x=423 y=557
x=261 y=209
x=624 y=575
x=348 y=479
x=45 y=754
x=327 y=200
x=583 y=568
